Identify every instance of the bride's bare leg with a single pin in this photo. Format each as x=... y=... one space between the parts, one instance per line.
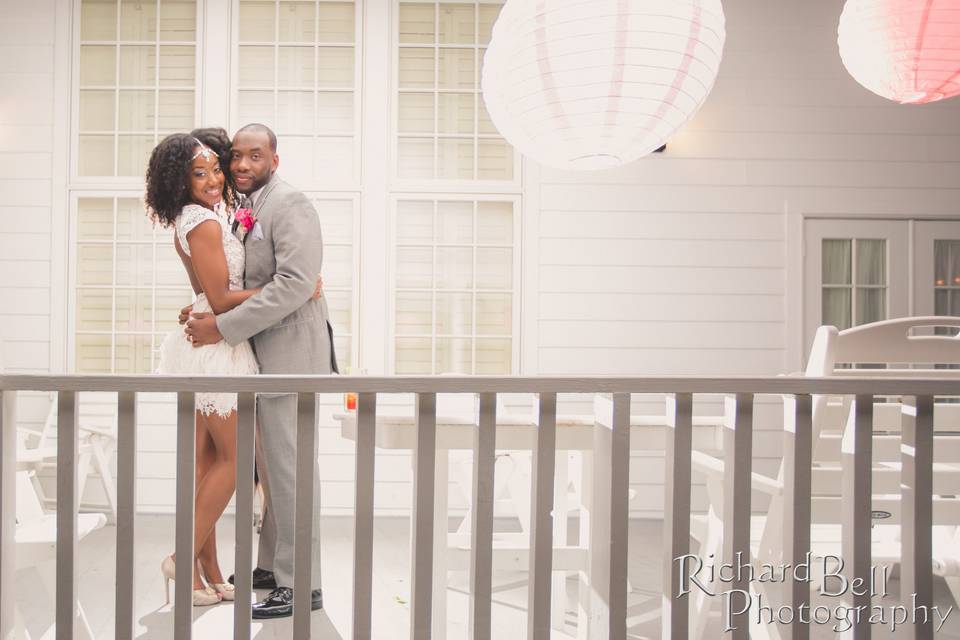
x=217 y=486
x=207 y=555
x=205 y=456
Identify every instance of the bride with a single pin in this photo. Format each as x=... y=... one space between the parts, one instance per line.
x=189 y=187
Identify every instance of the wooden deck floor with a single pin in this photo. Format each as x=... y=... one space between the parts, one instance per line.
x=391 y=589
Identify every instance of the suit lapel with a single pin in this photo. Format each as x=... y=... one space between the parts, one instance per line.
x=258 y=205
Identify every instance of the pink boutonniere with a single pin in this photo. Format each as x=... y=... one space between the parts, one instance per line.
x=245 y=219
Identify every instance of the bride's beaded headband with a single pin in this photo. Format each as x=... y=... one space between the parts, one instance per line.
x=204 y=151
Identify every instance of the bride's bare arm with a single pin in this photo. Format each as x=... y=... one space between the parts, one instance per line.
x=209 y=266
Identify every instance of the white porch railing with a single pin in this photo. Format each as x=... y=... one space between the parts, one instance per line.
x=609 y=555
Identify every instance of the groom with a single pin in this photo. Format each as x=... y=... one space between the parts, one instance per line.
x=291 y=335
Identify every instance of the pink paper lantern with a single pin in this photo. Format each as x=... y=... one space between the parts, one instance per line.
x=904 y=50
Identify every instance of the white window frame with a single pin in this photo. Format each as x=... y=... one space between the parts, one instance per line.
x=516 y=275
x=438 y=185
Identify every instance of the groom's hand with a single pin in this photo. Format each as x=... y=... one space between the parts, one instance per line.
x=202 y=329
x=185 y=314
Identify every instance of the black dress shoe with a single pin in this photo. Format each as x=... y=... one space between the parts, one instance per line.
x=279 y=604
x=262 y=579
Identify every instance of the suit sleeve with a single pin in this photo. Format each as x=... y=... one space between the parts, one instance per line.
x=298 y=249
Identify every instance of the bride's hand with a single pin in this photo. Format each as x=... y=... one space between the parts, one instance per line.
x=318 y=291
x=185 y=314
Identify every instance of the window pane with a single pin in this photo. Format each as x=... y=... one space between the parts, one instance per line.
x=136 y=111
x=495 y=222
x=454 y=355
x=337 y=266
x=339 y=305
x=295 y=112
x=134 y=310
x=494 y=268
x=417 y=22
x=414 y=267
x=138 y=66
x=257 y=65
x=335 y=111
x=455 y=159
x=135 y=264
x=416 y=68
x=96 y=110
x=456 y=113
x=484 y=123
x=336 y=68
x=257 y=21
x=94 y=309
x=93 y=354
x=415 y=157
x=872 y=262
x=837 y=309
x=494 y=314
x=133 y=354
x=414 y=315
x=255 y=106
x=95 y=264
x=455 y=222
x=416 y=113
x=178 y=20
x=133 y=223
x=336 y=218
x=98 y=65
x=454 y=314
x=413 y=356
x=456 y=69
x=333 y=159
x=495 y=159
x=337 y=22
x=177 y=67
x=176 y=111
x=494 y=357
x=95 y=155
x=133 y=152
x=454 y=268
x=871 y=305
x=138 y=20
x=457 y=24
x=415 y=221
x=98 y=20
x=836 y=261
x=95 y=219
x=344 y=349
x=169 y=271
x=297 y=22
x=488 y=15
x=296 y=68
x=168 y=307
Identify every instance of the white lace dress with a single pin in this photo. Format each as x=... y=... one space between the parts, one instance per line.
x=180 y=357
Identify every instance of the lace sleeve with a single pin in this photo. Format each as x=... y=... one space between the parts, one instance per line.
x=189 y=218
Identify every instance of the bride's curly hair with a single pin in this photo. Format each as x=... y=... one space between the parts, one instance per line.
x=168 y=172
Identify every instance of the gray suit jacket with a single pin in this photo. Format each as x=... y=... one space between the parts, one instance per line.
x=290 y=330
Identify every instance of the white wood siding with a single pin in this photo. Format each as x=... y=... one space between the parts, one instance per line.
x=27 y=35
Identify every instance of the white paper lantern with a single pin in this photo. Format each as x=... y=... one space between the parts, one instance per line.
x=904 y=50
x=591 y=84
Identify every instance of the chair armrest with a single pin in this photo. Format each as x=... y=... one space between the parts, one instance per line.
x=713 y=468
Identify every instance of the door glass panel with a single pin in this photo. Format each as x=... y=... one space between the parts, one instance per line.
x=871 y=262
x=837 y=308
x=836 y=261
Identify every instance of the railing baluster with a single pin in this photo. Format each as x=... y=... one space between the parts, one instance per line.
x=421 y=564
x=619 y=515
x=916 y=521
x=364 y=477
x=306 y=499
x=67 y=512
x=186 y=481
x=797 y=460
x=856 y=500
x=737 y=473
x=541 y=520
x=126 y=511
x=243 y=552
x=8 y=512
x=481 y=533
x=676 y=517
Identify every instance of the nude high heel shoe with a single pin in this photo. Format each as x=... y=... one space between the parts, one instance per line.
x=224 y=590
x=201 y=597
